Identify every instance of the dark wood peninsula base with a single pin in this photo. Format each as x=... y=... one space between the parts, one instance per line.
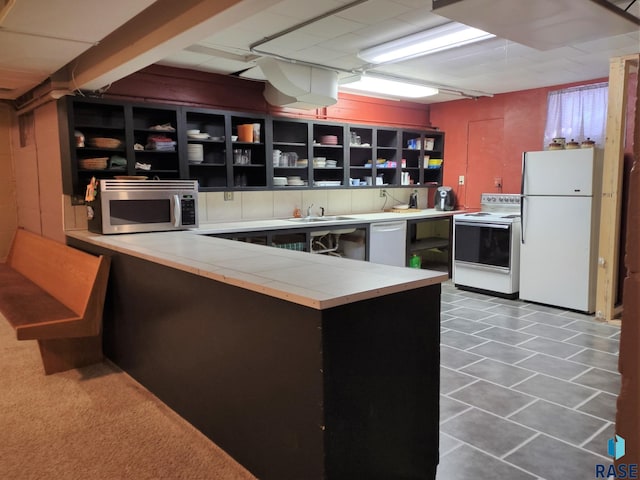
x=289 y=391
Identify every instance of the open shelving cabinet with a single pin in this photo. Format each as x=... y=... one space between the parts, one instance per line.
x=364 y=155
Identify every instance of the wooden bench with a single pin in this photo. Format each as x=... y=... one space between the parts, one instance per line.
x=55 y=294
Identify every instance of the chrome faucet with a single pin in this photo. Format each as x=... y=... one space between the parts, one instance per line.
x=309 y=210
x=322 y=211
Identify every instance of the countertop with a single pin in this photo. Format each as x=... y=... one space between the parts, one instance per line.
x=240 y=226
x=316 y=281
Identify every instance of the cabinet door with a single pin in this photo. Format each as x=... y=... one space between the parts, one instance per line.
x=155 y=141
x=361 y=155
x=248 y=152
x=99 y=141
x=387 y=164
x=432 y=160
x=328 y=154
x=412 y=155
x=290 y=153
x=206 y=148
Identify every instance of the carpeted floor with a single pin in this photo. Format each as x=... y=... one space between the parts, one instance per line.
x=94 y=423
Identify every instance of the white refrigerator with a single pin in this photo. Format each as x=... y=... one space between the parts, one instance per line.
x=560 y=209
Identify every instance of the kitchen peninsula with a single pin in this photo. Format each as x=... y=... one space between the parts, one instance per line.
x=298 y=365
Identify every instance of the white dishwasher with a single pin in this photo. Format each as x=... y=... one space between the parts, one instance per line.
x=388 y=243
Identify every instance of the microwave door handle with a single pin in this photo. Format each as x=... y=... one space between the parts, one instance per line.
x=177 y=211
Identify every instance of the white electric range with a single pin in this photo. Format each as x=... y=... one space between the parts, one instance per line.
x=486 y=246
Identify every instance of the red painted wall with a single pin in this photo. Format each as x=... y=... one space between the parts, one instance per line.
x=485 y=139
x=190 y=87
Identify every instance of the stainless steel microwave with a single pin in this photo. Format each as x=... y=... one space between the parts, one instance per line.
x=128 y=206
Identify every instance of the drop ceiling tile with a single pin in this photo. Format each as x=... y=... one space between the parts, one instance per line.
x=266 y=23
x=291 y=43
x=423 y=18
x=302 y=10
x=332 y=27
x=237 y=38
x=319 y=55
x=36 y=54
x=417 y=4
x=622 y=42
x=60 y=18
x=391 y=30
x=346 y=43
x=375 y=11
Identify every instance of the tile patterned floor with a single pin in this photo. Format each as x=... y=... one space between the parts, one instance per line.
x=527 y=391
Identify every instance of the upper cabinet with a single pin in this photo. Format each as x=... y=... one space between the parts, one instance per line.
x=153 y=142
x=234 y=150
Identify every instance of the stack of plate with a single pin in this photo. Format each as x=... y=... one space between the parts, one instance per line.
x=331 y=163
x=319 y=162
x=279 y=181
x=329 y=140
x=99 y=163
x=198 y=136
x=195 y=153
x=295 y=180
x=327 y=183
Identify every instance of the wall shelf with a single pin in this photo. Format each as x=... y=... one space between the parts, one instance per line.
x=134 y=123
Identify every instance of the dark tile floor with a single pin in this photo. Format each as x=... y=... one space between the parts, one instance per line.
x=527 y=391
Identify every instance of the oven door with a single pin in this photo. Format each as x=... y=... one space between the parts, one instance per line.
x=483 y=244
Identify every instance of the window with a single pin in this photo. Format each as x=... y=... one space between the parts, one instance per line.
x=577 y=113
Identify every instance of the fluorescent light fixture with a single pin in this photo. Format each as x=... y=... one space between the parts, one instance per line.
x=444 y=37
x=389 y=87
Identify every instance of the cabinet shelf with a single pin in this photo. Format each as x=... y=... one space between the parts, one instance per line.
x=289 y=144
x=429 y=243
x=105 y=128
x=130 y=122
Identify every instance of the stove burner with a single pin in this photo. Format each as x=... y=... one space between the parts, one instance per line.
x=478 y=214
x=514 y=215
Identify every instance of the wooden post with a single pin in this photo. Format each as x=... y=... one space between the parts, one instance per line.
x=619 y=70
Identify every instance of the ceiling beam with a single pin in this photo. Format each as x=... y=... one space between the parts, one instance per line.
x=164 y=28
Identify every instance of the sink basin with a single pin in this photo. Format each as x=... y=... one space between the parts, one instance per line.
x=328 y=218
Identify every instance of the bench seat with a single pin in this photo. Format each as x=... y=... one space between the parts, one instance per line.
x=54 y=294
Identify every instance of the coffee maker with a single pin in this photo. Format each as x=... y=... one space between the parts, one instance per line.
x=445 y=199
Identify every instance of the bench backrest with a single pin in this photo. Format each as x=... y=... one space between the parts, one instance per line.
x=66 y=273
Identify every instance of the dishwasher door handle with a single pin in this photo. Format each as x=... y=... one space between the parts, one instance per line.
x=387 y=226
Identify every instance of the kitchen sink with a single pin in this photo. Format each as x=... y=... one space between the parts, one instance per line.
x=328 y=218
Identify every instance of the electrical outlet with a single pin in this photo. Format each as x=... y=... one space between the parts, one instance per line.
x=497 y=182
x=228 y=196
x=461 y=180
x=383 y=193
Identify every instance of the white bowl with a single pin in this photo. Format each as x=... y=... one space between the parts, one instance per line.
x=234 y=138
x=193 y=132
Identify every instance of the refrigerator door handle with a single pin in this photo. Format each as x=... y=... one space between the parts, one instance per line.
x=522 y=196
x=522 y=222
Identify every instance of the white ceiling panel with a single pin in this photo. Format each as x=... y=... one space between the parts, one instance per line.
x=494 y=66
x=332 y=27
x=60 y=18
x=303 y=10
x=375 y=11
x=36 y=54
